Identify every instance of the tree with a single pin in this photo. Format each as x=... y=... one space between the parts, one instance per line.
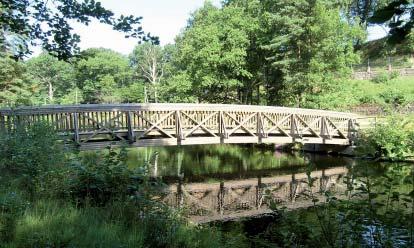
x=399 y=16
x=16 y=87
x=149 y=62
x=359 y=11
x=47 y=23
x=212 y=52
x=57 y=77
x=100 y=73
x=311 y=47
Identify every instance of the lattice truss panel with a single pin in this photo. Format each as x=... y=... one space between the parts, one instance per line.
x=175 y=125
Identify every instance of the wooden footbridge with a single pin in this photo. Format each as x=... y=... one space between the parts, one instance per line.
x=94 y=126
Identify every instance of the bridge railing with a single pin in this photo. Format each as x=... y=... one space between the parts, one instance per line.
x=95 y=125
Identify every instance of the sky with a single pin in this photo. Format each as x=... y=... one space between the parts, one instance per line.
x=162 y=18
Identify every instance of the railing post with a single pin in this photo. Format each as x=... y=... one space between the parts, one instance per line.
x=259 y=127
x=323 y=127
x=222 y=128
x=178 y=128
x=131 y=133
x=76 y=128
x=293 y=126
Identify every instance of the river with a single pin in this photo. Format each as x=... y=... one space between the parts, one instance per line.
x=246 y=189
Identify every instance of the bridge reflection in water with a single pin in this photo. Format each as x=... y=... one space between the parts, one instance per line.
x=94 y=126
x=206 y=202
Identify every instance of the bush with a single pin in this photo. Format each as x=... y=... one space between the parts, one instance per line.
x=381 y=78
x=393 y=97
x=388 y=140
x=11 y=207
x=29 y=153
x=394 y=75
x=100 y=180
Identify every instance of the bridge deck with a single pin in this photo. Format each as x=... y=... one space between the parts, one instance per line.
x=95 y=126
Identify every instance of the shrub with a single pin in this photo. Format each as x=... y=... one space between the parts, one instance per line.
x=381 y=78
x=29 y=153
x=105 y=177
x=11 y=207
x=394 y=97
x=394 y=75
x=388 y=140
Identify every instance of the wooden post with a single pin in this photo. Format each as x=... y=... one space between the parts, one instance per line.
x=260 y=128
x=131 y=133
x=76 y=128
x=222 y=127
x=178 y=129
x=294 y=132
x=324 y=132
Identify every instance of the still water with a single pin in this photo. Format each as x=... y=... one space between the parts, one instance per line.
x=221 y=183
x=210 y=163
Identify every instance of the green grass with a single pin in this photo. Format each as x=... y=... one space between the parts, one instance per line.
x=51 y=223
x=352 y=93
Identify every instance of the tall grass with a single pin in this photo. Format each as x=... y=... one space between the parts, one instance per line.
x=350 y=93
x=85 y=201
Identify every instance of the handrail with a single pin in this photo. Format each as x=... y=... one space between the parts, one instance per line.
x=45 y=109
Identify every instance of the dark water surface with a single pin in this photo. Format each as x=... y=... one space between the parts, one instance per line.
x=211 y=164
x=214 y=181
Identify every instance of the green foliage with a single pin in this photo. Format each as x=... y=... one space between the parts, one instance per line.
x=394 y=97
x=98 y=181
x=11 y=207
x=381 y=78
x=390 y=140
x=312 y=46
x=398 y=15
x=212 y=52
x=40 y=23
x=149 y=62
x=373 y=211
x=178 y=88
x=30 y=153
x=384 y=77
x=16 y=87
x=54 y=199
x=100 y=73
x=54 y=78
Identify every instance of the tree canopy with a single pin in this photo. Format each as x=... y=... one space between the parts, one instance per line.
x=47 y=24
x=399 y=16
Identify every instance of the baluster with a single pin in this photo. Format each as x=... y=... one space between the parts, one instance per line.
x=131 y=133
x=76 y=128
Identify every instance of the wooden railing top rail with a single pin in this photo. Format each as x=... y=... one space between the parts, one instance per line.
x=48 y=109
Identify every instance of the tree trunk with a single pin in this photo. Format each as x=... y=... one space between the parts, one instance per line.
x=155 y=94
x=50 y=93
